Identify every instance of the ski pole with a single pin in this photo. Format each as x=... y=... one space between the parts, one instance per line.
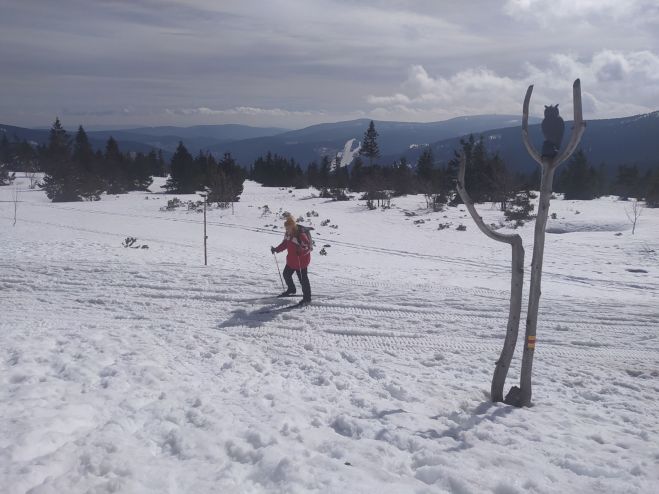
x=279 y=271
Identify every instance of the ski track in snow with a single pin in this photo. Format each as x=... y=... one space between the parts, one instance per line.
x=141 y=371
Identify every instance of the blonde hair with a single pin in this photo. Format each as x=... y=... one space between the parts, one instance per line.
x=290 y=222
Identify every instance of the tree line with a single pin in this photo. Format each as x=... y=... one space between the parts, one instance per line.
x=74 y=171
x=487 y=176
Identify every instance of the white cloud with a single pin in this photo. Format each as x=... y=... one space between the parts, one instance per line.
x=613 y=84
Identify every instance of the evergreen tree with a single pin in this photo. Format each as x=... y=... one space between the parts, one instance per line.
x=369 y=146
x=602 y=181
x=6 y=178
x=627 y=182
x=357 y=175
x=341 y=177
x=225 y=181
x=235 y=176
x=519 y=208
x=312 y=174
x=424 y=167
x=114 y=168
x=324 y=173
x=5 y=149
x=61 y=180
x=579 y=180
x=5 y=156
x=156 y=163
x=140 y=171
x=84 y=161
x=181 y=171
x=26 y=158
x=652 y=194
x=402 y=178
x=501 y=182
x=276 y=171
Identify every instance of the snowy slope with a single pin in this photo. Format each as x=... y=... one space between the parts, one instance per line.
x=349 y=153
x=142 y=371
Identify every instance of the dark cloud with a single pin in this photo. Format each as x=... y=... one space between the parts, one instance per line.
x=298 y=62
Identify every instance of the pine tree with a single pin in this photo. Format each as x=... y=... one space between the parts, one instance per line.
x=652 y=194
x=402 y=178
x=357 y=175
x=312 y=174
x=424 y=167
x=156 y=164
x=61 y=180
x=6 y=178
x=369 y=146
x=579 y=180
x=519 y=208
x=226 y=180
x=114 y=168
x=5 y=149
x=140 y=171
x=341 y=176
x=5 y=156
x=324 y=173
x=84 y=161
x=501 y=183
x=181 y=170
x=627 y=182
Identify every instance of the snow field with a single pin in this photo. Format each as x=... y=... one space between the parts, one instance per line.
x=141 y=370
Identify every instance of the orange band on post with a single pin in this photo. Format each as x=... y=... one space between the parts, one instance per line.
x=531 y=343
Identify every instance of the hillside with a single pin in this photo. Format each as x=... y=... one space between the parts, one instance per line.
x=630 y=140
x=142 y=370
x=312 y=143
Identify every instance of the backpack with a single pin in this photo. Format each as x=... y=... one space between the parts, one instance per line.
x=307 y=230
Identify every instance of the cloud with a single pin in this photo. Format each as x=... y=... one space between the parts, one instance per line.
x=546 y=13
x=614 y=83
x=242 y=110
x=292 y=62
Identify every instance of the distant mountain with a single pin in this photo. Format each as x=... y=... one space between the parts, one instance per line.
x=98 y=140
x=314 y=142
x=224 y=132
x=38 y=136
x=196 y=138
x=615 y=141
x=612 y=141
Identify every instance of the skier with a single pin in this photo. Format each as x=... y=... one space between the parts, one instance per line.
x=297 y=259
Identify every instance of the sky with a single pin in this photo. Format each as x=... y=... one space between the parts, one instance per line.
x=294 y=63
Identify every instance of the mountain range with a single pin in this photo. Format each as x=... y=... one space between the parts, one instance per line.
x=629 y=140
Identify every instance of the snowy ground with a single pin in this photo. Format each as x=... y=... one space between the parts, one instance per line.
x=143 y=371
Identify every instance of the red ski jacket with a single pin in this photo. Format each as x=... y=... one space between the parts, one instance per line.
x=299 y=253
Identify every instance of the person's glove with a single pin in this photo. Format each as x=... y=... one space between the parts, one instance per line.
x=272 y=250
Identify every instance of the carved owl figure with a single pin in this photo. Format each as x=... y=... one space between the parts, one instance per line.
x=553 y=128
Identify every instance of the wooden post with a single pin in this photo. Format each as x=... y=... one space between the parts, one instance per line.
x=205 y=236
x=548 y=166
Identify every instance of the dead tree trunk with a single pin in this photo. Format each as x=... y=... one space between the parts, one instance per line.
x=549 y=166
x=516 y=283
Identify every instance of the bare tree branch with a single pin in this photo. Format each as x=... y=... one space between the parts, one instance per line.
x=516 y=284
x=577 y=129
x=525 y=127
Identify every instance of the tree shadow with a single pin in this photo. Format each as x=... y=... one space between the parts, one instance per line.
x=480 y=414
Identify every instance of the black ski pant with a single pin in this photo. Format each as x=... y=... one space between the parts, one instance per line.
x=304 y=281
